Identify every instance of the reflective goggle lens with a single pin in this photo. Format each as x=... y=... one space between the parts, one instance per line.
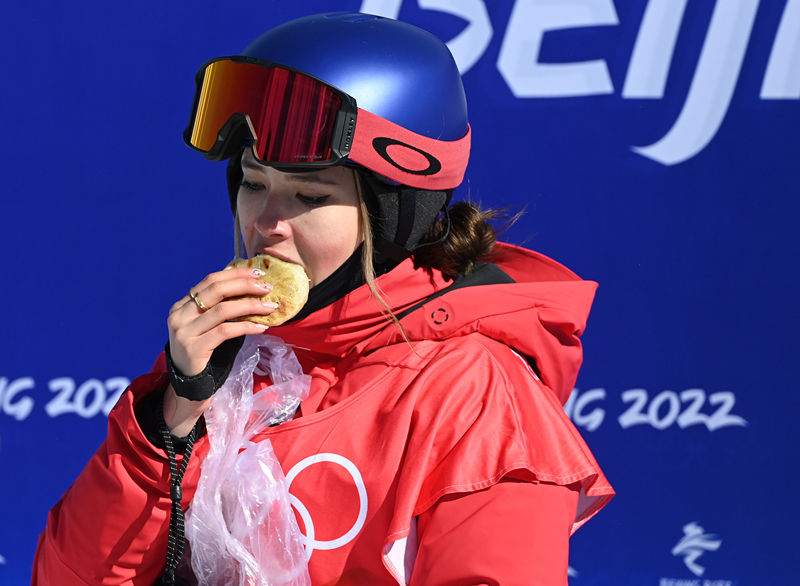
x=292 y=116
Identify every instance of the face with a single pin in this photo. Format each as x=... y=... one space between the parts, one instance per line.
x=311 y=219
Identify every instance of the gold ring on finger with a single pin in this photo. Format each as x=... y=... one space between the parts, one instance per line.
x=200 y=305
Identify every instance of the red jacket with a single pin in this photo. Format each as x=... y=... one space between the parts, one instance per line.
x=439 y=453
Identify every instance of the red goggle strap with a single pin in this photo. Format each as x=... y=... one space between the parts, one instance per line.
x=406 y=157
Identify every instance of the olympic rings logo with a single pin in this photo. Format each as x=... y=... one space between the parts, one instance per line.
x=311 y=542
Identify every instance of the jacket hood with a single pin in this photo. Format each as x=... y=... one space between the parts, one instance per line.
x=532 y=304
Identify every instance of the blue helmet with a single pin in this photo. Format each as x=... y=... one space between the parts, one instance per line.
x=393 y=69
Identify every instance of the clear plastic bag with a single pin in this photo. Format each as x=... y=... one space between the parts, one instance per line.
x=240 y=525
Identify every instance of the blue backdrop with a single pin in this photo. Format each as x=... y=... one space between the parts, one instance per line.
x=653 y=144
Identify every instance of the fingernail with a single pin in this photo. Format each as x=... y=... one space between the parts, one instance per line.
x=264 y=285
x=258 y=272
x=271 y=304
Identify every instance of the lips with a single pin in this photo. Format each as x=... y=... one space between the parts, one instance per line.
x=278 y=255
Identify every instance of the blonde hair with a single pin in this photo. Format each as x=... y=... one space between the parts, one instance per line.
x=367 y=256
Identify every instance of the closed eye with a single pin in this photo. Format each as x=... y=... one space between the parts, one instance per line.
x=250 y=186
x=312 y=200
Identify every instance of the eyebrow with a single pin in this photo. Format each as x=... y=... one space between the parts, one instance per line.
x=301 y=176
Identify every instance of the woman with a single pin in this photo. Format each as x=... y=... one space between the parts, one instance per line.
x=432 y=447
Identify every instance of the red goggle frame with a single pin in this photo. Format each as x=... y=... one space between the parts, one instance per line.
x=294 y=120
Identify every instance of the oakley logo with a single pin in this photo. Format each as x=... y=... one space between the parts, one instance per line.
x=382 y=144
x=695 y=542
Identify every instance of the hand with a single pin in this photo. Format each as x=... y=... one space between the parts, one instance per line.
x=200 y=321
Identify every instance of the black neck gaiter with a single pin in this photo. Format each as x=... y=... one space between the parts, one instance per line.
x=346 y=278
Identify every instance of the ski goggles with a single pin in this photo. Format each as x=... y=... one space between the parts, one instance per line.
x=295 y=121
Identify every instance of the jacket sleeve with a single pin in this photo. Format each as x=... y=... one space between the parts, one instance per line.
x=111 y=525
x=513 y=533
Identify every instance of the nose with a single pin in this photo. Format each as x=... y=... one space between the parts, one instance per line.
x=272 y=220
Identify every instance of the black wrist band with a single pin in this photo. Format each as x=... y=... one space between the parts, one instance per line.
x=203 y=385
